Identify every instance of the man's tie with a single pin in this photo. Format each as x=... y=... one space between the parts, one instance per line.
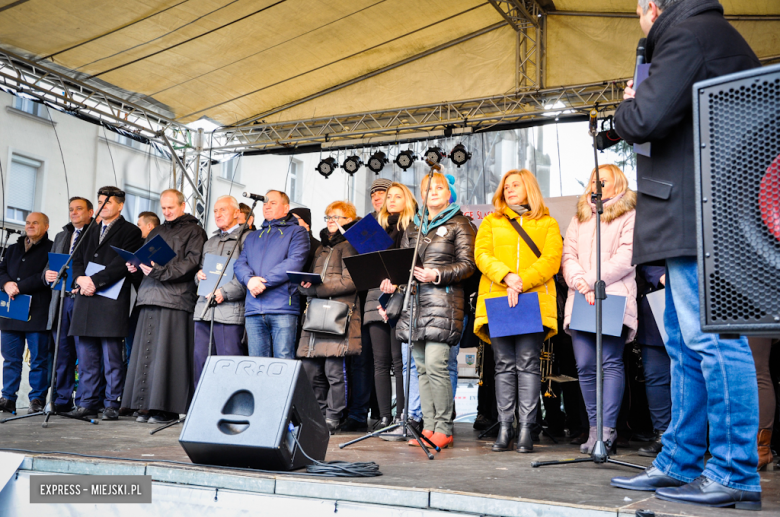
x=103 y=233
x=76 y=234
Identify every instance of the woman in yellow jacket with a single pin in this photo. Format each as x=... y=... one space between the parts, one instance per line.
x=509 y=267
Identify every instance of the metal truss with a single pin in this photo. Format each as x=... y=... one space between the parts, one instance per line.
x=65 y=93
x=529 y=22
x=478 y=113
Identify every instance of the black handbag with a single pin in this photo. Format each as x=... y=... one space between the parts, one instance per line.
x=326 y=316
x=394 y=306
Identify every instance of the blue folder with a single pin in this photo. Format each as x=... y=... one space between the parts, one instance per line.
x=367 y=236
x=56 y=261
x=112 y=291
x=213 y=266
x=523 y=318
x=16 y=309
x=297 y=277
x=583 y=315
x=156 y=250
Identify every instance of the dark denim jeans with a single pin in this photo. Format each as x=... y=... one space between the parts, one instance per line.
x=12 y=346
x=272 y=335
x=713 y=380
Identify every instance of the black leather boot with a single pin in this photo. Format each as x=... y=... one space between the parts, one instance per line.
x=505 y=436
x=653 y=448
x=525 y=441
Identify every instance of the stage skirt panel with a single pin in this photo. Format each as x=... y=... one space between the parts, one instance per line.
x=159 y=376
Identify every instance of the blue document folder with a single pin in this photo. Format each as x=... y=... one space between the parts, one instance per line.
x=367 y=236
x=112 y=291
x=56 y=261
x=523 y=318
x=296 y=277
x=16 y=309
x=583 y=315
x=156 y=250
x=213 y=266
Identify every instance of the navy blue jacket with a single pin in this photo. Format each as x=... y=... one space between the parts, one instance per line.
x=648 y=280
x=277 y=247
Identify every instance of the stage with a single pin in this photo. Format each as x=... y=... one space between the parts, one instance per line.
x=468 y=479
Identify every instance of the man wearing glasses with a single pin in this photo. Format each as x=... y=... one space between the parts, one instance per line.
x=272 y=301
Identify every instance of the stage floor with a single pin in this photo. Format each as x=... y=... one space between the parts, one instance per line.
x=482 y=479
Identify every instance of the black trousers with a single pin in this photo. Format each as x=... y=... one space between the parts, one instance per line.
x=387 y=352
x=328 y=378
x=518 y=376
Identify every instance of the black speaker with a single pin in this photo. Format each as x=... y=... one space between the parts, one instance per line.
x=246 y=410
x=737 y=134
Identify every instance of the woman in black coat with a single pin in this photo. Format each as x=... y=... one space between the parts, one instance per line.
x=395 y=217
x=447 y=254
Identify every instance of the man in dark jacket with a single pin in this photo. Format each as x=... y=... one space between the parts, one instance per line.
x=229 y=312
x=80 y=212
x=272 y=301
x=689 y=41
x=99 y=321
x=21 y=273
x=159 y=377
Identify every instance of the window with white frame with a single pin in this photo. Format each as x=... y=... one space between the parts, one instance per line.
x=231 y=170
x=129 y=142
x=22 y=180
x=139 y=200
x=295 y=185
x=30 y=106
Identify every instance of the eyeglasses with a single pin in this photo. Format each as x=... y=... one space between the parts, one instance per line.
x=334 y=218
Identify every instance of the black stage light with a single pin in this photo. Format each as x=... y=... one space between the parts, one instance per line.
x=435 y=155
x=352 y=164
x=377 y=161
x=405 y=159
x=327 y=166
x=459 y=155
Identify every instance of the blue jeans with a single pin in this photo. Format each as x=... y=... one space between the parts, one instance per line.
x=584 y=345
x=12 y=347
x=452 y=367
x=267 y=333
x=713 y=380
x=415 y=409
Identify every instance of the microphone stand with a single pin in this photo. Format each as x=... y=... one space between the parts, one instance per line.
x=407 y=428
x=211 y=303
x=62 y=276
x=600 y=453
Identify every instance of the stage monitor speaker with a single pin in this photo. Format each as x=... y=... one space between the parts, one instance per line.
x=737 y=135
x=245 y=411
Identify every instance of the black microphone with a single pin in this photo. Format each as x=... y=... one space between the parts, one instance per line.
x=641 y=58
x=593 y=122
x=12 y=231
x=256 y=197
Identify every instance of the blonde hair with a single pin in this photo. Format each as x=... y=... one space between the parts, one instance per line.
x=407 y=214
x=621 y=182
x=532 y=192
x=347 y=208
x=439 y=178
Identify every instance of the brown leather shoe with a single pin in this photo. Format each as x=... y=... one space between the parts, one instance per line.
x=764 y=448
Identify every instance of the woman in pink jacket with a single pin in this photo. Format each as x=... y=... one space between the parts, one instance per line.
x=579 y=270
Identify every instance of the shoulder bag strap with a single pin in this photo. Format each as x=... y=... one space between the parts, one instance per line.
x=527 y=238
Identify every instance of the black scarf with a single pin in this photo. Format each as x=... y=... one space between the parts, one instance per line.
x=329 y=240
x=394 y=231
x=675 y=14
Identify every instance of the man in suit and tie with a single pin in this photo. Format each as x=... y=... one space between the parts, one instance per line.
x=80 y=212
x=100 y=322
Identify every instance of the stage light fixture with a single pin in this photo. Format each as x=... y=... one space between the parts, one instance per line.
x=405 y=159
x=460 y=155
x=377 y=161
x=327 y=166
x=352 y=164
x=435 y=155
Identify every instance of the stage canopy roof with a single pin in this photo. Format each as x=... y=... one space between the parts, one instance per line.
x=238 y=61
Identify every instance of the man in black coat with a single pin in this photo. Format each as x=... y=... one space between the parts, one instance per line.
x=713 y=379
x=21 y=274
x=99 y=322
x=80 y=213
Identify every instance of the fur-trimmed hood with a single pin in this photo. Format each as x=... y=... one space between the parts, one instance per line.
x=614 y=208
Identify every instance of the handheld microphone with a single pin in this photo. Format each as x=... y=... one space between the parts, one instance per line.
x=433 y=165
x=256 y=197
x=641 y=58
x=593 y=122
